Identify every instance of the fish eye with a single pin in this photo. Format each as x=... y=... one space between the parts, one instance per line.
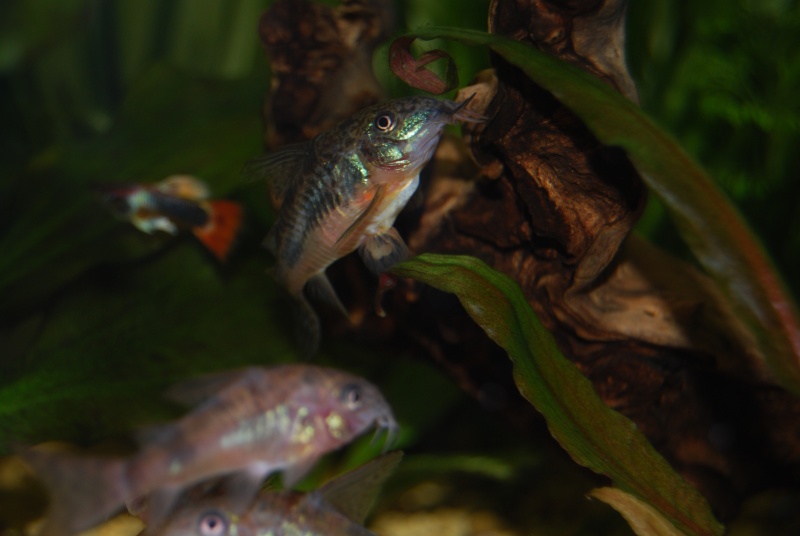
x=212 y=524
x=384 y=122
x=351 y=396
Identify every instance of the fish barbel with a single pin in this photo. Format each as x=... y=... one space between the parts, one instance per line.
x=177 y=202
x=338 y=508
x=246 y=425
x=342 y=190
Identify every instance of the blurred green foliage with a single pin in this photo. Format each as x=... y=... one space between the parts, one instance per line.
x=722 y=76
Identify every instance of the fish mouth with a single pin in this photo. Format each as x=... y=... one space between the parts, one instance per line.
x=461 y=113
x=430 y=140
x=389 y=425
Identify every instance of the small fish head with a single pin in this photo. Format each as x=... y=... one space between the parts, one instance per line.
x=401 y=135
x=356 y=406
x=204 y=518
x=118 y=199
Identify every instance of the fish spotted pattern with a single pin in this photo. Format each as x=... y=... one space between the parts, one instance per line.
x=342 y=190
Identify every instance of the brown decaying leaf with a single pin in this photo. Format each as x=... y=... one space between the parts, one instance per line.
x=413 y=72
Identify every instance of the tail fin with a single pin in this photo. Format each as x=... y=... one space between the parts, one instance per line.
x=84 y=490
x=225 y=220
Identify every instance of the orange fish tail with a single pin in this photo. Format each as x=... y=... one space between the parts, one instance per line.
x=218 y=235
x=84 y=491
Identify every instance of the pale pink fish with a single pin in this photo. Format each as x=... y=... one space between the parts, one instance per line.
x=338 y=507
x=246 y=425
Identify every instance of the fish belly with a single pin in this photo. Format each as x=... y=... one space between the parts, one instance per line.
x=323 y=247
x=393 y=202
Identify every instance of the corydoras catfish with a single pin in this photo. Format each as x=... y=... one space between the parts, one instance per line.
x=177 y=202
x=342 y=191
x=338 y=507
x=246 y=425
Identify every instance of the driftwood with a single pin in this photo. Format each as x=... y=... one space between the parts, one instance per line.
x=551 y=207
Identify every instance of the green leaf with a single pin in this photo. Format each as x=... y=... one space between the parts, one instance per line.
x=644 y=520
x=594 y=435
x=710 y=224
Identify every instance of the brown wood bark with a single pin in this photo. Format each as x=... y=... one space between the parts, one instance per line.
x=551 y=207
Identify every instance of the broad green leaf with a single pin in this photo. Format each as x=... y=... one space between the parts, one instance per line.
x=707 y=220
x=595 y=436
x=643 y=519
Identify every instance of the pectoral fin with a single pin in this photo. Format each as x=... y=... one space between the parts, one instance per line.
x=359 y=220
x=294 y=473
x=278 y=168
x=241 y=487
x=382 y=251
x=150 y=224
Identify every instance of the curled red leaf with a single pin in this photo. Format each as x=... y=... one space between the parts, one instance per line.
x=413 y=72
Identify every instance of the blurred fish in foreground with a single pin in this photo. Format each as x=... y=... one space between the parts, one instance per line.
x=246 y=424
x=338 y=507
x=177 y=202
x=342 y=191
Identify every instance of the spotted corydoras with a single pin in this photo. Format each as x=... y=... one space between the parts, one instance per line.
x=342 y=191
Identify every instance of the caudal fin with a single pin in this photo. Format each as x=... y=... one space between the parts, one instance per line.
x=84 y=491
x=225 y=220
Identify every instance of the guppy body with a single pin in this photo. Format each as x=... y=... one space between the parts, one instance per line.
x=177 y=202
x=342 y=191
x=248 y=424
x=337 y=508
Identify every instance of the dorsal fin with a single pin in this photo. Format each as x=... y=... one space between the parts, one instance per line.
x=183 y=186
x=353 y=493
x=193 y=391
x=279 y=168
